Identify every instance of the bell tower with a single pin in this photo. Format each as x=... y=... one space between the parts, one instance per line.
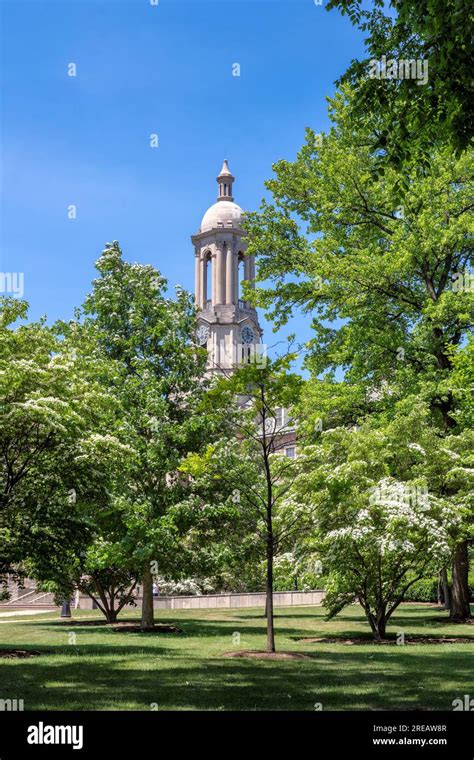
x=227 y=325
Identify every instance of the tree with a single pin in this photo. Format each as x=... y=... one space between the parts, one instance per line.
x=380 y=528
x=159 y=386
x=388 y=286
x=457 y=599
x=248 y=474
x=54 y=459
x=429 y=101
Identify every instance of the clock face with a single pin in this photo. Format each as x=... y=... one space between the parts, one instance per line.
x=247 y=334
x=202 y=334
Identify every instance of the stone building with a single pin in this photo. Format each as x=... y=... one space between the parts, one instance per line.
x=227 y=324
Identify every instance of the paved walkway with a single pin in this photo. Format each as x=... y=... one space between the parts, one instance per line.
x=13 y=613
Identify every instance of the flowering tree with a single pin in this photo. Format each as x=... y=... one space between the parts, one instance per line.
x=55 y=459
x=160 y=387
x=390 y=499
x=383 y=549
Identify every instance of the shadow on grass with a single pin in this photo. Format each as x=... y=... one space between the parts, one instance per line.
x=342 y=680
x=131 y=671
x=412 y=621
x=189 y=627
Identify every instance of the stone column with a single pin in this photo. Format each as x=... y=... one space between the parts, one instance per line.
x=197 y=279
x=214 y=277
x=223 y=255
x=247 y=268
x=230 y=274
x=203 y=275
x=252 y=269
x=220 y=274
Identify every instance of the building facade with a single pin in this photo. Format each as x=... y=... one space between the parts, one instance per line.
x=227 y=324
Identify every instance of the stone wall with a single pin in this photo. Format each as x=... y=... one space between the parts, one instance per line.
x=237 y=601
x=195 y=602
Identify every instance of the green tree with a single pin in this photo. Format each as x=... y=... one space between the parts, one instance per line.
x=388 y=285
x=55 y=459
x=248 y=473
x=414 y=113
x=389 y=498
x=160 y=388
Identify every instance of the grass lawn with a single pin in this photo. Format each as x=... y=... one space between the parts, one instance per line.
x=106 y=670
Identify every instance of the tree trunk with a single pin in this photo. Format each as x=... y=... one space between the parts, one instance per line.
x=269 y=602
x=111 y=615
x=105 y=606
x=460 y=606
x=378 y=624
x=445 y=589
x=382 y=625
x=148 y=618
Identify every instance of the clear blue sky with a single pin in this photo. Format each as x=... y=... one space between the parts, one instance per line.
x=143 y=69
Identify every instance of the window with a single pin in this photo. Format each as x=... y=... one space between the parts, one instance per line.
x=240 y=277
x=290 y=452
x=246 y=354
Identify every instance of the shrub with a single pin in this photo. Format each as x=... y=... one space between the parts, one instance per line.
x=424 y=590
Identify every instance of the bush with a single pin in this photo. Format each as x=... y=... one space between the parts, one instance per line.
x=424 y=590
x=184 y=587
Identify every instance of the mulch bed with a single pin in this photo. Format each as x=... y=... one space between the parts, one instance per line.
x=412 y=640
x=19 y=654
x=254 y=654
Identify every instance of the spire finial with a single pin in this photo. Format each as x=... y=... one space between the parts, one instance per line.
x=225 y=169
x=225 y=180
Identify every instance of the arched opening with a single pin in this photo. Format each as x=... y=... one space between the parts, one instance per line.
x=245 y=354
x=240 y=277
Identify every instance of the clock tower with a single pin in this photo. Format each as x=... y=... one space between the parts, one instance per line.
x=227 y=325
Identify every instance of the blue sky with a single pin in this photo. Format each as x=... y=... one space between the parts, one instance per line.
x=144 y=69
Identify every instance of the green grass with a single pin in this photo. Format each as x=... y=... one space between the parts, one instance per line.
x=106 y=670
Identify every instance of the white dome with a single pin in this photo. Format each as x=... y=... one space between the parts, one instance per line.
x=223 y=212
